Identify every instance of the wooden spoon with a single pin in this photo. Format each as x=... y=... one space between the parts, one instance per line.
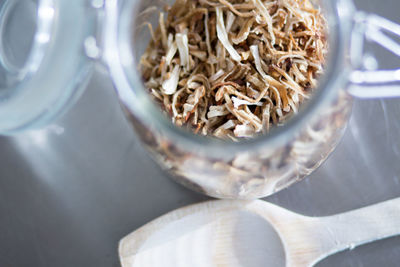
x=253 y=234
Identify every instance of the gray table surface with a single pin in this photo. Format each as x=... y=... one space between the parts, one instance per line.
x=70 y=192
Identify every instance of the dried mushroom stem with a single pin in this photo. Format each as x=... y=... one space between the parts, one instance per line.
x=233 y=68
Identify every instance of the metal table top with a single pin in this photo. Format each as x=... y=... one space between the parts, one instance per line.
x=68 y=193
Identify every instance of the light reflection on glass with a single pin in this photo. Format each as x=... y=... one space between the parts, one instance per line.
x=43 y=38
x=46 y=13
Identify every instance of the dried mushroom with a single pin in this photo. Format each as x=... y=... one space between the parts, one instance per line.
x=234 y=68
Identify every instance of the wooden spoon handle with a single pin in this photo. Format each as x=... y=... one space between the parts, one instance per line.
x=354 y=228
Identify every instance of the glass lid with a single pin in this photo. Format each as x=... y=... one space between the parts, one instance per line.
x=43 y=64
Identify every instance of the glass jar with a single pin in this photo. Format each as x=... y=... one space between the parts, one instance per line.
x=68 y=37
x=267 y=164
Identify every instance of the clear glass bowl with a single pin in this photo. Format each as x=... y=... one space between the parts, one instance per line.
x=248 y=169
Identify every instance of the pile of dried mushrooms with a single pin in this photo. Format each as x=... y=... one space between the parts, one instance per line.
x=234 y=68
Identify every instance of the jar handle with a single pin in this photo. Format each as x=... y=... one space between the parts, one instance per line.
x=368 y=81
